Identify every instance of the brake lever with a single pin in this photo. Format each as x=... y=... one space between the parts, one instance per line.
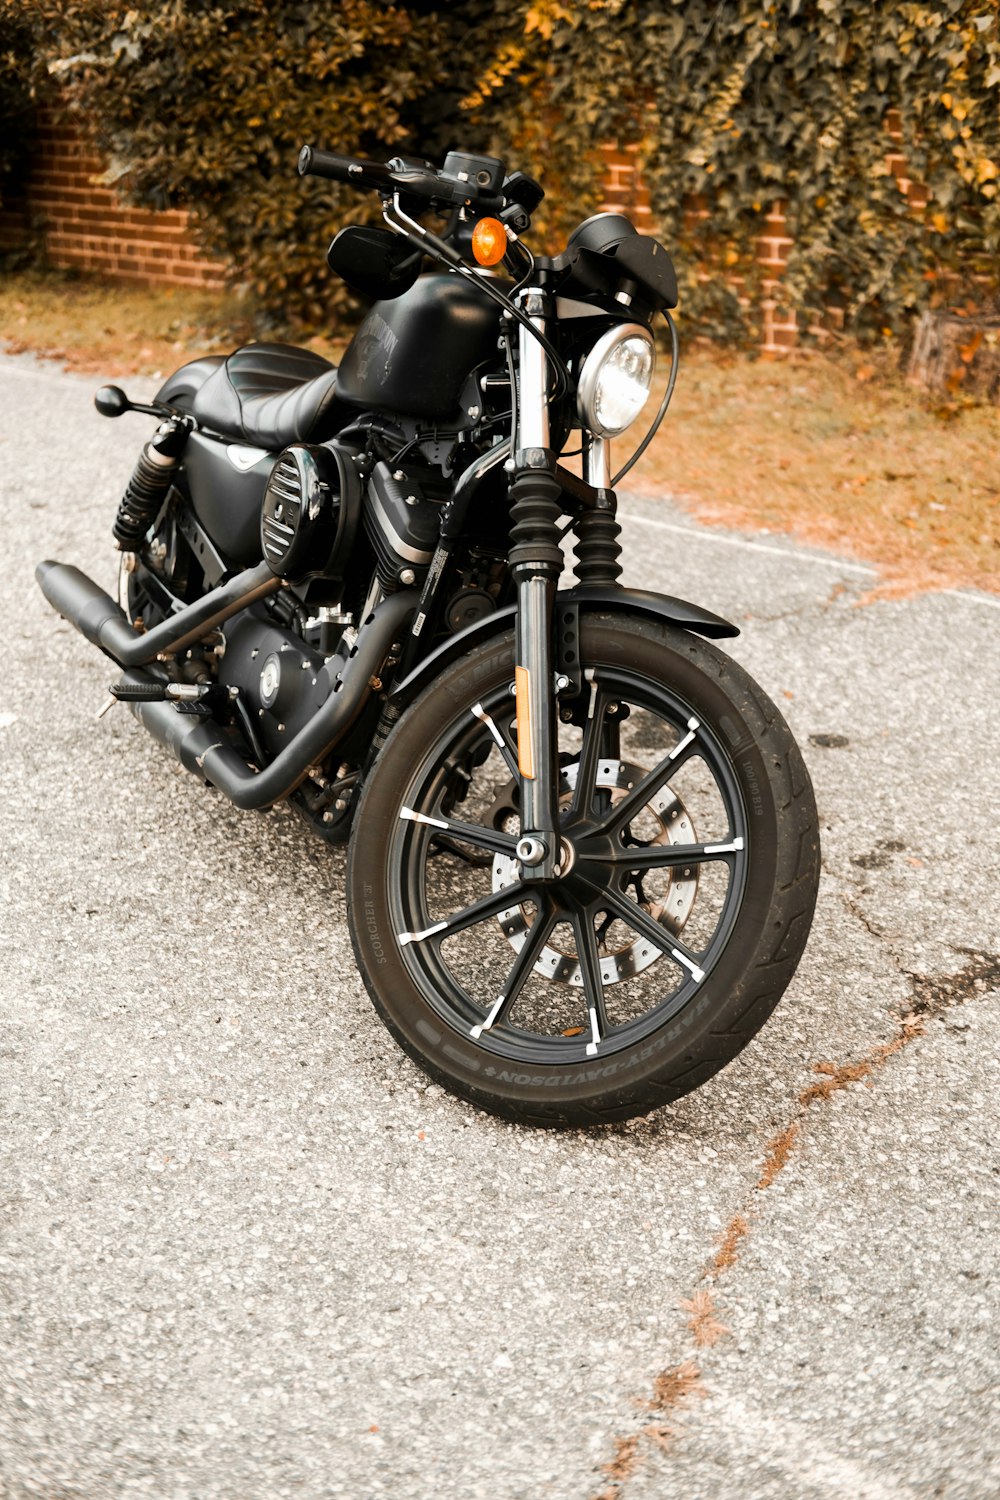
x=423 y=181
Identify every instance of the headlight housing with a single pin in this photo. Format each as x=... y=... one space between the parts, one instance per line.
x=615 y=379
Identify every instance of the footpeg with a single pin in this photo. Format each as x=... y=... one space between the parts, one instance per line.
x=132 y=690
x=138 y=692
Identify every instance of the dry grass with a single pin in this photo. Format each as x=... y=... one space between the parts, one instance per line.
x=101 y=327
x=705 y=1327
x=835 y=450
x=778 y=1152
x=676 y=1387
x=841 y=453
x=624 y=1461
x=672 y=1390
x=834 y=1078
x=728 y=1250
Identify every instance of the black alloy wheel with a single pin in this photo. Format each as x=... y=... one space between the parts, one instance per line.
x=628 y=980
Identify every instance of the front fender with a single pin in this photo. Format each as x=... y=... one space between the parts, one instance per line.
x=591 y=598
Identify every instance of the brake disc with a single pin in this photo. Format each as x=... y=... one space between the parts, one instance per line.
x=671 y=910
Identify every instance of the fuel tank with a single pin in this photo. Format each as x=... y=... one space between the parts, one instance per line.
x=413 y=354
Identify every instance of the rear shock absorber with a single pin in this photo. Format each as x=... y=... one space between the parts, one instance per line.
x=150 y=483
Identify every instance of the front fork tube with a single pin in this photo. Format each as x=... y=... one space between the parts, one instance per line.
x=535 y=693
x=536 y=562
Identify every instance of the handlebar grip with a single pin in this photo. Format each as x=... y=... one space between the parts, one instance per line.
x=363 y=174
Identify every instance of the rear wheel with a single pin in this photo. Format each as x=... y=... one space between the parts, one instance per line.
x=690 y=865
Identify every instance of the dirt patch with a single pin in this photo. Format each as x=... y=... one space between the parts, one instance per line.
x=934 y=993
x=879 y=857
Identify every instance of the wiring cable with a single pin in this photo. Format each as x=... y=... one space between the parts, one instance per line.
x=654 y=428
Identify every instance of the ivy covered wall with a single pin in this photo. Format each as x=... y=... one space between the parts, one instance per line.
x=875 y=128
x=876 y=125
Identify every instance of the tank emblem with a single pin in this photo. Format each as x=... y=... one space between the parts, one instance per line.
x=376 y=339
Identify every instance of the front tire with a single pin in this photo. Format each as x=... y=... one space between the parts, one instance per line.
x=691 y=834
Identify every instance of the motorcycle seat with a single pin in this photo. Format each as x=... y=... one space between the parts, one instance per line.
x=270 y=395
x=180 y=388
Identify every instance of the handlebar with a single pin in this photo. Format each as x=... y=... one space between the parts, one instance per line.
x=367 y=174
x=397 y=176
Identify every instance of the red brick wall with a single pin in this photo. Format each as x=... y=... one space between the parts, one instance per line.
x=86 y=225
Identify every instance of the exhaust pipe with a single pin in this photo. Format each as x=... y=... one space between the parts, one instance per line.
x=96 y=615
x=200 y=745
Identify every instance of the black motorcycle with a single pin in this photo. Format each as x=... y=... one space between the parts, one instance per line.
x=584 y=847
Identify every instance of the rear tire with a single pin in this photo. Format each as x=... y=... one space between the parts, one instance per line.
x=726 y=834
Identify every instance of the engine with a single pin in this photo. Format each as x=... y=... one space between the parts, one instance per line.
x=402 y=525
x=311 y=535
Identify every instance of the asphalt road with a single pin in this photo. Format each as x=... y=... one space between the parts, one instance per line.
x=248 y=1253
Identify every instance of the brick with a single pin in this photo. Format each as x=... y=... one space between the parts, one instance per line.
x=773 y=252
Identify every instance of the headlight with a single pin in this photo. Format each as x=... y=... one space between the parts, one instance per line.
x=615 y=380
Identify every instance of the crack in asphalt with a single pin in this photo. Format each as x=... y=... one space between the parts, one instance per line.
x=675 y=1388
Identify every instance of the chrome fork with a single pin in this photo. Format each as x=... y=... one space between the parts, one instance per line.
x=536 y=562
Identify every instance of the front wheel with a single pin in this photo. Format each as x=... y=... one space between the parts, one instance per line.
x=690 y=862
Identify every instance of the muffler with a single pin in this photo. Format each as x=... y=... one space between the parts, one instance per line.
x=96 y=615
x=199 y=743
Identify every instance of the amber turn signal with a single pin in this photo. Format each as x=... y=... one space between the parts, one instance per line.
x=489 y=242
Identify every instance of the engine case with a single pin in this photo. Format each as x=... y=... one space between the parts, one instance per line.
x=281 y=682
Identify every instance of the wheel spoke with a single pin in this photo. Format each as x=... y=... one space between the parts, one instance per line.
x=501 y=739
x=593 y=984
x=468 y=916
x=662 y=856
x=470 y=833
x=641 y=922
x=651 y=783
x=534 y=942
x=590 y=752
